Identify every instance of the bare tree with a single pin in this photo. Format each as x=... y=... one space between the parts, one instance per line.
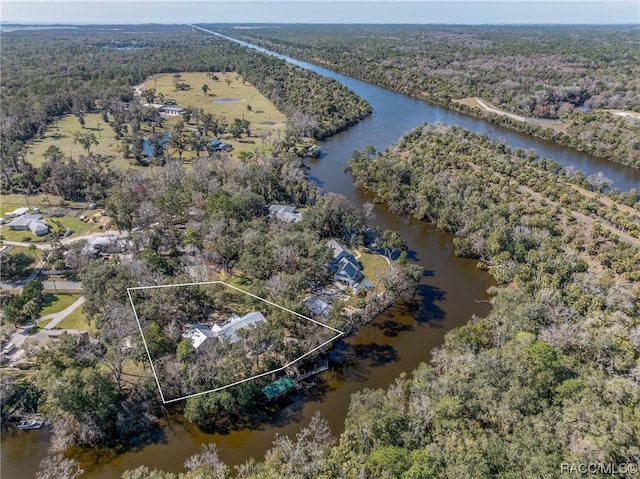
x=57 y=466
x=208 y=461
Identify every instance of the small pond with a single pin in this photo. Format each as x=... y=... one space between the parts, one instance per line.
x=225 y=100
x=147 y=148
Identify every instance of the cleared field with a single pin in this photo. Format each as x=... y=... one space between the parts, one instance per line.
x=61 y=135
x=228 y=97
x=42 y=201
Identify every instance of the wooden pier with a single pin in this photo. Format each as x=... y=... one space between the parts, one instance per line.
x=297 y=379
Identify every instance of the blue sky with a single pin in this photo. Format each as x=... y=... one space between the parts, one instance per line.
x=323 y=11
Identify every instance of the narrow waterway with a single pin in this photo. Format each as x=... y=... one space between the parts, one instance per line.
x=451 y=291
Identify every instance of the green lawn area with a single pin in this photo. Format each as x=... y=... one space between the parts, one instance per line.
x=79 y=228
x=43 y=201
x=43 y=322
x=61 y=135
x=263 y=115
x=372 y=265
x=54 y=303
x=76 y=320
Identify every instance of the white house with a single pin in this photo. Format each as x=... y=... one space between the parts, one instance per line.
x=171 y=110
x=198 y=334
x=285 y=213
x=229 y=329
x=33 y=223
x=16 y=212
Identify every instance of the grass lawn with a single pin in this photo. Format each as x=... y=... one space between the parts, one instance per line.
x=61 y=135
x=43 y=322
x=54 y=303
x=234 y=100
x=43 y=201
x=372 y=265
x=76 y=320
x=224 y=101
x=79 y=228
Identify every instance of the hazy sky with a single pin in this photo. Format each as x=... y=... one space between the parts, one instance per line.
x=322 y=11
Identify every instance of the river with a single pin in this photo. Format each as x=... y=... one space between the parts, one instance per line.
x=451 y=291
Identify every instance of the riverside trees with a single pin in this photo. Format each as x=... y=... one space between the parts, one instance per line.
x=538 y=72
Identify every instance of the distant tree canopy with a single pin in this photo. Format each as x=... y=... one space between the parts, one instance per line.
x=79 y=72
x=536 y=71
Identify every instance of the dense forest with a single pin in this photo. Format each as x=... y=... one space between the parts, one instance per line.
x=550 y=376
x=576 y=74
x=93 y=69
x=213 y=217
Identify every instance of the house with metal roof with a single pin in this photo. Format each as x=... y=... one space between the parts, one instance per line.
x=33 y=223
x=17 y=212
x=198 y=334
x=348 y=272
x=346 y=267
x=316 y=305
x=171 y=110
x=285 y=213
x=235 y=323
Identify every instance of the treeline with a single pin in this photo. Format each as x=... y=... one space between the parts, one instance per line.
x=539 y=72
x=49 y=73
x=478 y=189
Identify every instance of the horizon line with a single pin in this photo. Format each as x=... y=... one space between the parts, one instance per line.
x=89 y=24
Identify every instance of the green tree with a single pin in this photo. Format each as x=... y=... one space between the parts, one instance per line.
x=86 y=140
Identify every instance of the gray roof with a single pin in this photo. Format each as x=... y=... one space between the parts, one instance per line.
x=285 y=213
x=198 y=334
x=315 y=305
x=236 y=323
x=348 y=270
x=33 y=223
x=337 y=248
x=24 y=220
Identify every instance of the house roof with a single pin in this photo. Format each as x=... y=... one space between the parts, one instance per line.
x=277 y=387
x=24 y=220
x=285 y=213
x=315 y=304
x=17 y=212
x=198 y=334
x=236 y=323
x=34 y=223
x=348 y=269
x=337 y=248
x=176 y=109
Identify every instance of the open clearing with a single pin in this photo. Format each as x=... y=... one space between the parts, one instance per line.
x=235 y=99
x=186 y=363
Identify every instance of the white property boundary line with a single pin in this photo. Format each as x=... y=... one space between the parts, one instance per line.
x=165 y=401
